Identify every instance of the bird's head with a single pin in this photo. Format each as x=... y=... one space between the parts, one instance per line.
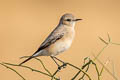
x=68 y=19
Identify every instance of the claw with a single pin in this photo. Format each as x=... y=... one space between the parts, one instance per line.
x=64 y=65
x=59 y=67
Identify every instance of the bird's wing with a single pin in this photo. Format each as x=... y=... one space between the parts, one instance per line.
x=52 y=38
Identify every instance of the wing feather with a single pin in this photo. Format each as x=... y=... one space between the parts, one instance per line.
x=50 y=40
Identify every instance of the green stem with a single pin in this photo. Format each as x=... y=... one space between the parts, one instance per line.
x=80 y=70
x=13 y=70
x=30 y=69
x=96 y=70
x=88 y=63
x=40 y=62
x=44 y=66
x=100 y=52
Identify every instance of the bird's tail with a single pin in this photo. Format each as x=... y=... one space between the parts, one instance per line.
x=26 y=60
x=33 y=56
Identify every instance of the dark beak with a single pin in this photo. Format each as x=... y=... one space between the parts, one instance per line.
x=77 y=19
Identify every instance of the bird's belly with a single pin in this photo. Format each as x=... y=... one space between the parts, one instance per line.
x=60 y=47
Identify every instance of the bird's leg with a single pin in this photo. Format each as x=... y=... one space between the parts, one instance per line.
x=56 y=62
x=64 y=64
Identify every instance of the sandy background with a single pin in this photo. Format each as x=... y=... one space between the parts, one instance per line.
x=24 y=24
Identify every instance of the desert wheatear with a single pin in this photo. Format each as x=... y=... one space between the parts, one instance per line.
x=59 y=40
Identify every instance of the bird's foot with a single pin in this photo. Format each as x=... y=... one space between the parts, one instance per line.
x=59 y=67
x=64 y=65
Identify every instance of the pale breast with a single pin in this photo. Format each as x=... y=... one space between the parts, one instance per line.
x=63 y=44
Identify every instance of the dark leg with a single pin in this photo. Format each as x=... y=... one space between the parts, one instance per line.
x=55 y=61
x=59 y=60
x=59 y=67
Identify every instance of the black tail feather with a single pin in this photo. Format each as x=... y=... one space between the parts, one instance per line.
x=25 y=61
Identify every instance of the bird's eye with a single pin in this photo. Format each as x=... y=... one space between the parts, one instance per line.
x=68 y=19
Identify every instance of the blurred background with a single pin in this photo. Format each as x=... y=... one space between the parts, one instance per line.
x=24 y=24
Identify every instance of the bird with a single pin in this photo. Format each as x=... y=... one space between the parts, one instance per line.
x=59 y=40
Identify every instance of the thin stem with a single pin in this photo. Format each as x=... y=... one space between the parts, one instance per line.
x=103 y=41
x=76 y=75
x=100 y=52
x=54 y=74
x=106 y=69
x=109 y=39
x=96 y=70
x=30 y=69
x=41 y=63
x=115 y=43
x=44 y=66
x=85 y=71
x=80 y=70
x=62 y=66
x=13 y=70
